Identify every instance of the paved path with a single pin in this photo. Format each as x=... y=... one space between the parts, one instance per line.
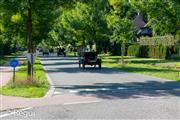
x=5 y=75
x=104 y=94
x=6 y=72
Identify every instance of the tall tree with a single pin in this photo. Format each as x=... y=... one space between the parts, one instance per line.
x=36 y=18
x=120 y=22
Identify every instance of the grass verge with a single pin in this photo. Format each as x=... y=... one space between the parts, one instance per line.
x=24 y=88
x=168 y=69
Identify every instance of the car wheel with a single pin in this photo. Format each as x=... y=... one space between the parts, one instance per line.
x=83 y=66
x=79 y=65
x=99 y=65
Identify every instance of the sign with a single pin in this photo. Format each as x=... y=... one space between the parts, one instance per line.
x=14 y=63
x=31 y=57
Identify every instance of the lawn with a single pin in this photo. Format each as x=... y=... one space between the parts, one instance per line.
x=24 y=88
x=168 y=69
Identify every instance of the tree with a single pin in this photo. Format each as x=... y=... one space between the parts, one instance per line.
x=163 y=16
x=120 y=22
x=32 y=19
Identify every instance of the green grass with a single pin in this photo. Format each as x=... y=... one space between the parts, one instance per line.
x=24 y=88
x=168 y=69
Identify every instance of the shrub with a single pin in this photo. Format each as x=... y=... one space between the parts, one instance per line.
x=159 y=51
x=133 y=50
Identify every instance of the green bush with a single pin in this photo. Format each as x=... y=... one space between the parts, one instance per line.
x=159 y=51
x=133 y=50
x=143 y=51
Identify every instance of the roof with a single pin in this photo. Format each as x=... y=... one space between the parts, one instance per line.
x=138 y=22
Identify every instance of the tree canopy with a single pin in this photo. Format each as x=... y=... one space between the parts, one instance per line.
x=88 y=22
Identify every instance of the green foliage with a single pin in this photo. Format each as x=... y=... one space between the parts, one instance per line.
x=167 y=40
x=133 y=50
x=163 y=15
x=85 y=22
x=158 y=51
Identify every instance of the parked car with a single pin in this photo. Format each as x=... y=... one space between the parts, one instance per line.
x=46 y=52
x=89 y=58
x=61 y=52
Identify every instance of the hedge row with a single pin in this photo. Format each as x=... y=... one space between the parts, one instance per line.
x=158 y=51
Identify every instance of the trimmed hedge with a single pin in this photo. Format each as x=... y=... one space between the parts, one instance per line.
x=159 y=51
x=133 y=50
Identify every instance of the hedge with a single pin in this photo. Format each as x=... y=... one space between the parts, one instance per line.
x=159 y=51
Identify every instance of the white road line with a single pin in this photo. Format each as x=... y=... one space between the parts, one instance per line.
x=88 y=89
x=85 y=102
x=57 y=93
x=8 y=114
x=105 y=89
x=73 y=91
x=121 y=88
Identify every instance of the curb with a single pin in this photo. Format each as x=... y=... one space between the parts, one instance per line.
x=51 y=90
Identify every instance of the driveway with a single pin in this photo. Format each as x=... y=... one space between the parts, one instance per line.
x=118 y=94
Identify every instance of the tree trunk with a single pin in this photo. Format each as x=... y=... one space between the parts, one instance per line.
x=122 y=53
x=29 y=40
x=83 y=43
x=74 y=47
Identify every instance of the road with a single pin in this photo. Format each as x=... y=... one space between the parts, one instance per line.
x=119 y=95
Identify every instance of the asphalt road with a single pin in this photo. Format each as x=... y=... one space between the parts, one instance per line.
x=120 y=95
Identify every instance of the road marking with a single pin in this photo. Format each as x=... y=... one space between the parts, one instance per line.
x=73 y=91
x=57 y=93
x=105 y=89
x=8 y=114
x=121 y=88
x=85 y=102
x=88 y=89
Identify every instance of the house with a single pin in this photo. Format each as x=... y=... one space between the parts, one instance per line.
x=141 y=27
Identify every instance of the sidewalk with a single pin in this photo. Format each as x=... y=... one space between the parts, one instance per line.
x=6 y=72
x=5 y=75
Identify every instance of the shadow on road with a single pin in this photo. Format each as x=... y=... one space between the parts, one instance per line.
x=89 y=69
x=60 y=63
x=55 y=58
x=127 y=90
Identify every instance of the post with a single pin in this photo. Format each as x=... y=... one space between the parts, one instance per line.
x=31 y=65
x=14 y=76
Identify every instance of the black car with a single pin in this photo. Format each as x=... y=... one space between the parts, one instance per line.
x=61 y=52
x=89 y=58
x=45 y=52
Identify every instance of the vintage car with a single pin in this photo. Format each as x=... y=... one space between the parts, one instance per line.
x=89 y=58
